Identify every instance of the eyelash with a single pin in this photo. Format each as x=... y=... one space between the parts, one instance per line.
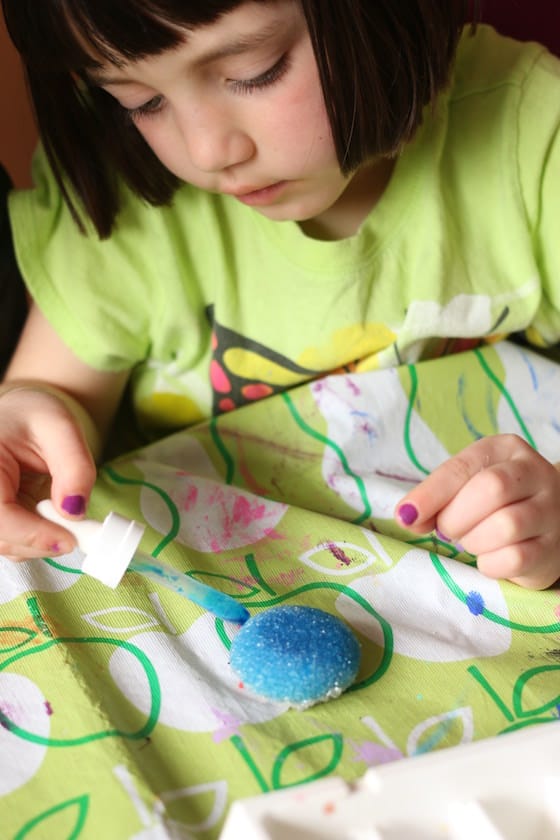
x=269 y=77
x=243 y=86
x=148 y=109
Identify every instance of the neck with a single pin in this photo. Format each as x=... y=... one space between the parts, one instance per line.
x=344 y=218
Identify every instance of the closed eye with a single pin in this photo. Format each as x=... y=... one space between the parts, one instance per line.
x=263 y=80
x=147 y=109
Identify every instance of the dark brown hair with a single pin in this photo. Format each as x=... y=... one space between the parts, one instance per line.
x=380 y=63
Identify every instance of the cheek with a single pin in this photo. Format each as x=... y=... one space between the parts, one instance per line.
x=300 y=117
x=161 y=141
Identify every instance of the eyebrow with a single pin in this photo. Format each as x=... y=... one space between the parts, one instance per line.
x=238 y=46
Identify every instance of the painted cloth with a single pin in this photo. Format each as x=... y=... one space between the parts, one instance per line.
x=120 y=716
x=215 y=306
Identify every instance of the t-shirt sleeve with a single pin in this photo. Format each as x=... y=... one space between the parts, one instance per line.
x=95 y=293
x=539 y=177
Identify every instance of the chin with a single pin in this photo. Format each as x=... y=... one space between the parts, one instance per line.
x=290 y=213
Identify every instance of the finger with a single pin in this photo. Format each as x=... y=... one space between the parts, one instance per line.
x=31 y=536
x=522 y=564
x=509 y=488
x=72 y=469
x=419 y=509
x=23 y=533
x=506 y=526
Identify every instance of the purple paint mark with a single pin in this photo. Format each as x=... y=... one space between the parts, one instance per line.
x=373 y=754
x=475 y=603
x=340 y=555
x=353 y=387
x=9 y=715
x=229 y=726
x=366 y=426
x=48 y=708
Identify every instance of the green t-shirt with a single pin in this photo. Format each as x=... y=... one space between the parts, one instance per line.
x=213 y=305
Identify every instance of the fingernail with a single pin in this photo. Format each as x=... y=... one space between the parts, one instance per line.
x=442 y=536
x=74 y=505
x=408 y=514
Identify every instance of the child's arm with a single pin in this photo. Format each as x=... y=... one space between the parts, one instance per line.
x=500 y=500
x=55 y=412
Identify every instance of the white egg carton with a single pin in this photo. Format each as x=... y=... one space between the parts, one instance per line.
x=502 y=788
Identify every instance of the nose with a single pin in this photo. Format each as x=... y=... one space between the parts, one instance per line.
x=213 y=139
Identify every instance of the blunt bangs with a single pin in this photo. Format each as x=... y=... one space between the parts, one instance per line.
x=88 y=139
x=74 y=35
x=381 y=63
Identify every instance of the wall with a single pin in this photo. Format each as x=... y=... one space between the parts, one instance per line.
x=17 y=131
x=535 y=20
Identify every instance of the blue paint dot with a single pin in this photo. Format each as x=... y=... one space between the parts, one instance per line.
x=475 y=603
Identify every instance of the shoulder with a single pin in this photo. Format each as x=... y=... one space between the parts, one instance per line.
x=503 y=106
x=144 y=237
x=488 y=61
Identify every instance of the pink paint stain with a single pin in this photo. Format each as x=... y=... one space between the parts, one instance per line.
x=251 y=482
x=373 y=754
x=13 y=715
x=230 y=726
x=272 y=534
x=48 y=708
x=289 y=578
x=245 y=513
x=247 y=581
x=191 y=498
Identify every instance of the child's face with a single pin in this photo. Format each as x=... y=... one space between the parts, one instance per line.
x=237 y=108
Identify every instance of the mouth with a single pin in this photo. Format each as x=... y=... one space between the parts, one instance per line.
x=261 y=196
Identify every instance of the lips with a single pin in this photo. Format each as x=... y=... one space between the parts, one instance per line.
x=260 y=196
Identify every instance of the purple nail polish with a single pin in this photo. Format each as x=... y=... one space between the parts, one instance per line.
x=54 y=548
x=74 y=505
x=408 y=514
x=442 y=536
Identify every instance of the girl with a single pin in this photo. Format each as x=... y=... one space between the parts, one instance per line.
x=266 y=191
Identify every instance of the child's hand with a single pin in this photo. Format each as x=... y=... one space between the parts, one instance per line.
x=43 y=451
x=500 y=500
